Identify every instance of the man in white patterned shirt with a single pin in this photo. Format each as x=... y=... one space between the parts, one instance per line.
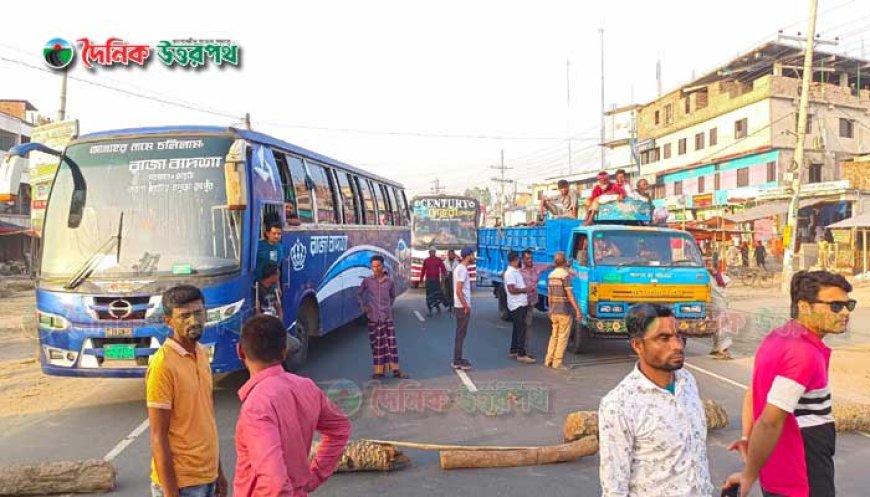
x=652 y=429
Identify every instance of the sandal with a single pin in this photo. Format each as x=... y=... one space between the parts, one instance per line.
x=400 y=374
x=377 y=376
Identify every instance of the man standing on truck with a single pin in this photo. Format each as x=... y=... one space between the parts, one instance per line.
x=604 y=187
x=518 y=305
x=567 y=204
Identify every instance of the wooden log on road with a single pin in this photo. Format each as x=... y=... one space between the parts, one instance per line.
x=580 y=424
x=365 y=455
x=60 y=477
x=470 y=458
x=850 y=416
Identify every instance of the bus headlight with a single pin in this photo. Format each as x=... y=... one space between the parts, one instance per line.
x=219 y=314
x=51 y=321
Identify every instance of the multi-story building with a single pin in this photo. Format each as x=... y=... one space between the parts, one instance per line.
x=726 y=140
x=16 y=123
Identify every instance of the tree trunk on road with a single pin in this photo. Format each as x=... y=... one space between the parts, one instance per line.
x=456 y=459
x=57 y=477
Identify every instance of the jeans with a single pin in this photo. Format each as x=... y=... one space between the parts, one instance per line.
x=530 y=319
x=518 y=337
x=461 y=329
x=207 y=490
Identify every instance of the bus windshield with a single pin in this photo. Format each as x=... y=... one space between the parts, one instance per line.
x=167 y=197
x=444 y=222
x=645 y=248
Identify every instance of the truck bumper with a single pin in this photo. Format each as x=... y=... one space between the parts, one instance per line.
x=615 y=328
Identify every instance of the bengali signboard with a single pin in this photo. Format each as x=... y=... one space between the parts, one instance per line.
x=44 y=166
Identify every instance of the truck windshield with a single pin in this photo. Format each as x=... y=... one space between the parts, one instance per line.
x=645 y=248
x=170 y=193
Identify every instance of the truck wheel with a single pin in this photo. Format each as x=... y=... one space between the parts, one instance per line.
x=503 y=312
x=580 y=338
x=305 y=326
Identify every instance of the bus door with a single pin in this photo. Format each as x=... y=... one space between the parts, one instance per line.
x=268 y=204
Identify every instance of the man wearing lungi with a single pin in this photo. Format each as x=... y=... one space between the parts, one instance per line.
x=376 y=295
x=433 y=273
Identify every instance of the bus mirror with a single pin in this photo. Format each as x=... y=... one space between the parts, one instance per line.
x=76 y=206
x=234 y=177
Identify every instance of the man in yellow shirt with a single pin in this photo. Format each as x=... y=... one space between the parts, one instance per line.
x=184 y=441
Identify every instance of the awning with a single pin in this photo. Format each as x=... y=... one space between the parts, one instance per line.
x=859 y=221
x=770 y=209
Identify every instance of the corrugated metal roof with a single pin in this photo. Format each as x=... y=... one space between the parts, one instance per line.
x=859 y=221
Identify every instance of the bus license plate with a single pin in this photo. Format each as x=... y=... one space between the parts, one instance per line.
x=119 y=332
x=119 y=351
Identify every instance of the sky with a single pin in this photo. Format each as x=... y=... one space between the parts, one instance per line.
x=409 y=90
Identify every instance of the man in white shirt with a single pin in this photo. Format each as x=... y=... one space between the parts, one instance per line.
x=518 y=305
x=462 y=306
x=652 y=428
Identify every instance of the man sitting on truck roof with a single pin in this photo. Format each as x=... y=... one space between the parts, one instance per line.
x=604 y=191
x=566 y=206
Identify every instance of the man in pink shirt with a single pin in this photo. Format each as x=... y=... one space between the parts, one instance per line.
x=280 y=413
x=792 y=439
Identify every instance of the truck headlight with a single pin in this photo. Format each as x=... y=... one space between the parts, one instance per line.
x=222 y=313
x=692 y=309
x=51 y=321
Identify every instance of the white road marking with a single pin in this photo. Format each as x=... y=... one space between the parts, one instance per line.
x=718 y=377
x=466 y=380
x=741 y=385
x=420 y=316
x=126 y=441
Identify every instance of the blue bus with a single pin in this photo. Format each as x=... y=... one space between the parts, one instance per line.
x=133 y=212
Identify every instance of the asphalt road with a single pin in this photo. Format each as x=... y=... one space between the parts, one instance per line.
x=340 y=362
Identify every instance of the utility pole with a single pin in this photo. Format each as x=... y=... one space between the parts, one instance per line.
x=61 y=111
x=501 y=180
x=248 y=120
x=437 y=188
x=797 y=163
x=601 y=33
x=568 y=120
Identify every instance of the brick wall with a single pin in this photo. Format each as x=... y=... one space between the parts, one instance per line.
x=14 y=109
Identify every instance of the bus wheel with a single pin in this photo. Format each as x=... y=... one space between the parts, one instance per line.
x=503 y=312
x=305 y=326
x=580 y=338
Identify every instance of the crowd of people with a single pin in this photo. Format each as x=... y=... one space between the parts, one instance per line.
x=652 y=428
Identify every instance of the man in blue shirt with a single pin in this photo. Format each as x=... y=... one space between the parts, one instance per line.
x=270 y=250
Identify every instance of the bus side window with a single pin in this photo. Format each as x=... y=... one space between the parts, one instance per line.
x=394 y=205
x=384 y=213
x=389 y=206
x=324 y=196
x=406 y=213
x=290 y=211
x=581 y=250
x=368 y=200
x=304 y=203
x=348 y=198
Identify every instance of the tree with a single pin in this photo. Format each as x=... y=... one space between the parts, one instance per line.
x=482 y=195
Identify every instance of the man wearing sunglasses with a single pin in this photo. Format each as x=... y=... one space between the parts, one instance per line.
x=791 y=442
